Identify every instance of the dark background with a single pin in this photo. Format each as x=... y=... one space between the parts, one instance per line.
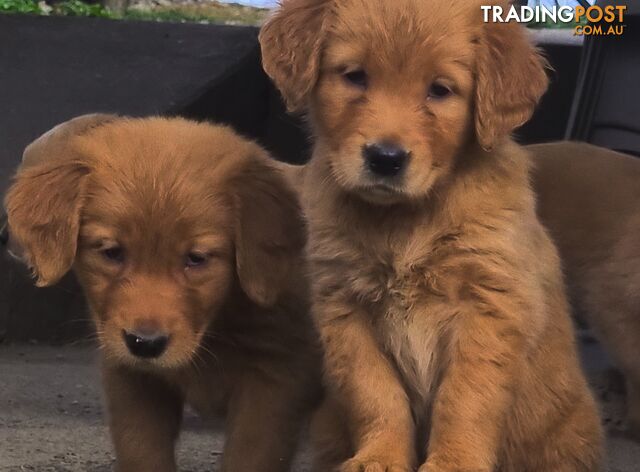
x=52 y=69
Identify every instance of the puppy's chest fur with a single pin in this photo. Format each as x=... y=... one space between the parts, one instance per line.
x=396 y=284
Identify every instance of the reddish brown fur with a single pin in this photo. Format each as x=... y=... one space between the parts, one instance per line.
x=240 y=338
x=438 y=294
x=588 y=198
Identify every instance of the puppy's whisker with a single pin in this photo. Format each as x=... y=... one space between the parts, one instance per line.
x=207 y=351
x=210 y=335
x=193 y=361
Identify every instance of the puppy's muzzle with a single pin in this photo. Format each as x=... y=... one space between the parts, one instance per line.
x=385 y=159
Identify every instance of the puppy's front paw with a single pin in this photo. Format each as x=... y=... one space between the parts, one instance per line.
x=433 y=467
x=358 y=464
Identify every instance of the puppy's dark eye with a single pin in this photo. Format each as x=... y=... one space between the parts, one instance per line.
x=357 y=77
x=114 y=254
x=196 y=259
x=439 y=91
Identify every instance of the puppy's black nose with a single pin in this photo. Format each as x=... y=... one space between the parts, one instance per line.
x=147 y=345
x=385 y=159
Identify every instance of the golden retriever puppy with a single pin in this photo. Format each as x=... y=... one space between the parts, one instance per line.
x=188 y=244
x=437 y=292
x=588 y=198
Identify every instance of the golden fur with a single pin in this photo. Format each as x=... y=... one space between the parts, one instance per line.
x=438 y=294
x=588 y=198
x=127 y=203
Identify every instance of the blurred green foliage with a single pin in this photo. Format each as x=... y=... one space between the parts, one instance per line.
x=65 y=7
x=79 y=8
x=204 y=13
x=19 y=6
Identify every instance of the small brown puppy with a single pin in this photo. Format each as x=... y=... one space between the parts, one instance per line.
x=188 y=244
x=437 y=292
x=588 y=198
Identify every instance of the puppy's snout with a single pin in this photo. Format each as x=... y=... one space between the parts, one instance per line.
x=385 y=159
x=146 y=343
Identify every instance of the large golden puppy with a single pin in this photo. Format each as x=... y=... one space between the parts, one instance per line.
x=588 y=198
x=437 y=292
x=188 y=245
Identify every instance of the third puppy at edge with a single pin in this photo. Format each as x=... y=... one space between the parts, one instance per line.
x=437 y=292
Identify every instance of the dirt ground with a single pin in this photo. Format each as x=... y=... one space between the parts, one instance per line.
x=51 y=416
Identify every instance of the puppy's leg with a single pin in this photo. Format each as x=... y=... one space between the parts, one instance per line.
x=330 y=436
x=475 y=394
x=263 y=424
x=576 y=444
x=367 y=386
x=617 y=323
x=144 y=420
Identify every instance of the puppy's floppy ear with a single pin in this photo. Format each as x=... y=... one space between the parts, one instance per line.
x=55 y=141
x=44 y=202
x=270 y=232
x=291 y=42
x=43 y=210
x=510 y=80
